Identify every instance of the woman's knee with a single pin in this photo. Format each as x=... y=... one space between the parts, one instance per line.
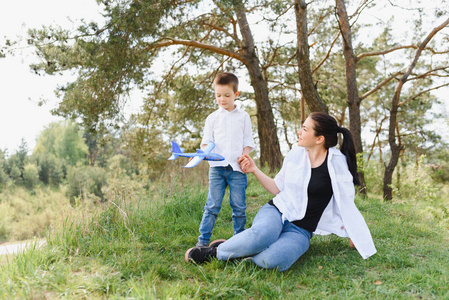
x=278 y=263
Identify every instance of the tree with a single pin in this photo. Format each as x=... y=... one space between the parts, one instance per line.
x=58 y=146
x=115 y=57
x=393 y=125
x=64 y=141
x=196 y=41
x=308 y=88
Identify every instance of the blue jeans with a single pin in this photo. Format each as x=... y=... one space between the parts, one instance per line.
x=219 y=179
x=270 y=243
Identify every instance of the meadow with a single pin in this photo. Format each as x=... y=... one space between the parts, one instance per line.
x=133 y=246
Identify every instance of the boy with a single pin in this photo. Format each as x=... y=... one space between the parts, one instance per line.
x=230 y=129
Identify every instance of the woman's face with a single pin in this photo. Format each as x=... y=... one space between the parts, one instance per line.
x=306 y=135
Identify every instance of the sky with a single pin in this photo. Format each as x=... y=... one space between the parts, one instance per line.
x=20 y=90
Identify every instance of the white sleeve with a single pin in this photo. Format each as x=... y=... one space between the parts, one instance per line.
x=248 y=139
x=279 y=179
x=208 y=134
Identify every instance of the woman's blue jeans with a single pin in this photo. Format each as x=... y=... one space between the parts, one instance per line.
x=219 y=179
x=269 y=242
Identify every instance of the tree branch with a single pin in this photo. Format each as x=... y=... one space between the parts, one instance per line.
x=233 y=36
x=195 y=44
x=327 y=54
x=380 y=85
x=429 y=73
x=366 y=54
x=422 y=92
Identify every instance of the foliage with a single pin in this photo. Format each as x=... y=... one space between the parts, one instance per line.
x=441 y=173
x=413 y=182
x=64 y=141
x=30 y=175
x=86 y=182
x=119 y=58
x=26 y=214
x=51 y=169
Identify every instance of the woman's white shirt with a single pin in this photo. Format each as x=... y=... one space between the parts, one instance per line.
x=341 y=216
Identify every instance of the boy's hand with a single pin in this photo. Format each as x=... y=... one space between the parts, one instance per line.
x=246 y=164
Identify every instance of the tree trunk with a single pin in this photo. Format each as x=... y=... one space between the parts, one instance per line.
x=269 y=143
x=355 y=125
x=395 y=148
x=308 y=89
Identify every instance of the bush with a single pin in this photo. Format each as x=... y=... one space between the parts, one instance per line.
x=51 y=169
x=25 y=215
x=4 y=178
x=30 y=175
x=15 y=174
x=374 y=177
x=415 y=182
x=441 y=172
x=83 y=181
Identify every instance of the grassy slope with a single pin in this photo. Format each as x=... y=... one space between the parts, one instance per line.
x=137 y=251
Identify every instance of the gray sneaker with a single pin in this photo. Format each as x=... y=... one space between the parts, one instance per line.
x=200 y=244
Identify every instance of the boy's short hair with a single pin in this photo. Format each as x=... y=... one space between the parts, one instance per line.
x=227 y=78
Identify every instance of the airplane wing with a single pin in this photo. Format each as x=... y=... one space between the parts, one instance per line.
x=196 y=160
x=209 y=147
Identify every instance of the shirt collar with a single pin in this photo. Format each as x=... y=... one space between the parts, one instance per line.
x=222 y=110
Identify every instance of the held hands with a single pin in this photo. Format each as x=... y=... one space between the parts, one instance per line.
x=247 y=164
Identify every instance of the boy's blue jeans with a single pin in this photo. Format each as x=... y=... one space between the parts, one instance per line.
x=269 y=242
x=219 y=179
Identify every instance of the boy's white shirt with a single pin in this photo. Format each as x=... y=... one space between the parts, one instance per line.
x=341 y=216
x=231 y=132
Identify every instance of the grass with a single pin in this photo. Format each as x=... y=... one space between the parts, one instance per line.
x=134 y=249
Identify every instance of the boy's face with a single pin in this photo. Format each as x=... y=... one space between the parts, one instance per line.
x=225 y=96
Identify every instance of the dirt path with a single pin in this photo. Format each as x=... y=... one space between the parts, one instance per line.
x=11 y=248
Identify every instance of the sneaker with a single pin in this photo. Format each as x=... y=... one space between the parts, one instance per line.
x=200 y=254
x=215 y=243
x=200 y=244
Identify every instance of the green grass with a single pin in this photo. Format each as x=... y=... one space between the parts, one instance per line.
x=135 y=250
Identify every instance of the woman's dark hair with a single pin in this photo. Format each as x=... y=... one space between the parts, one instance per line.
x=327 y=126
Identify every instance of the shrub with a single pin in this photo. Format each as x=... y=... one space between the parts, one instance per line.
x=85 y=180
x=15 y=174
x=374 y=177
x=415 y=182
x=51 y=169
x=4 y=178
x=30 y=175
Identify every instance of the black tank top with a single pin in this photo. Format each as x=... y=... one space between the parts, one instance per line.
x=319 y=193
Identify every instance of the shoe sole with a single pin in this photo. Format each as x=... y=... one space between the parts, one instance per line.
x=186 y=256
x=216 y=242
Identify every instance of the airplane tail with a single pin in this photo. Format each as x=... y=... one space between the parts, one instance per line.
x=176 y=151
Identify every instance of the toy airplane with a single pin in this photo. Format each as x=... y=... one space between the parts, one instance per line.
x=200 y=155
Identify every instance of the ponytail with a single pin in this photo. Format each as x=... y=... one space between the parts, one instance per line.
x=327 y=126
x=348 y=149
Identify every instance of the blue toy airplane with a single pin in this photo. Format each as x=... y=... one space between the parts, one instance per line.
x=200 y=155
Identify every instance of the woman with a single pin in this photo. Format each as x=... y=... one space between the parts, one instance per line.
x=314 y=193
